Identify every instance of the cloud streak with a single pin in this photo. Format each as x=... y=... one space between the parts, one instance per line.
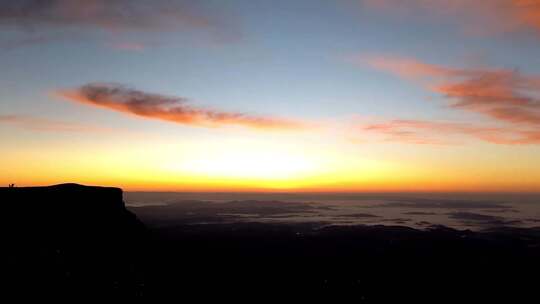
x=169 y=108
x=102 y=14
x=40 y=19
x=46 y=125
x=477 y=17
x=443 y=133
x=505 y=96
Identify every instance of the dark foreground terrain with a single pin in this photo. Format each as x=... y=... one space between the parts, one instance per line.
x=71 y=241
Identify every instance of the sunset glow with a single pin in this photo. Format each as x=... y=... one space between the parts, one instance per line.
x=216 y=96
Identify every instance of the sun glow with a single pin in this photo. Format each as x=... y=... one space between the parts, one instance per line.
x=246 y=165
x=244 y=162
x=262 y=163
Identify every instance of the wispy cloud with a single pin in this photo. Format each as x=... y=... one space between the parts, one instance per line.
x=169 y=108
x=444 y=133
x=129 y=46
x=474 y=16
x=47 y=125
x=40 y=19
x=505 y=96
x=401 y=66
x=109 y=15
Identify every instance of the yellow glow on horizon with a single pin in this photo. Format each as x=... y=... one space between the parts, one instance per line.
x=264 y=164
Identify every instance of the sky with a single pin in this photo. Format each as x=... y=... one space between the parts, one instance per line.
x=252 y=95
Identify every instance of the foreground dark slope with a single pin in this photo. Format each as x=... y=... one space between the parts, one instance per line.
x=77 y=241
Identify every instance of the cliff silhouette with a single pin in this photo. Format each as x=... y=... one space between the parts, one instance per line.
x=69 y=240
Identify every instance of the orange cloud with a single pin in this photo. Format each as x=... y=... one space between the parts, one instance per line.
x=502 y=95
x=506 y=96
x=476 y=16
x=173 y=109
x=404 y=67
x=42 y=124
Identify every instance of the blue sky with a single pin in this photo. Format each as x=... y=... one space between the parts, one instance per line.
x=291 y=54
